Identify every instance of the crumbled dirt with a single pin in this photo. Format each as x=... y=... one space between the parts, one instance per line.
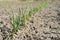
x=44 y=25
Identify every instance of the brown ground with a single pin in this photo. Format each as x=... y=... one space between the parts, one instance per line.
x=44 y=25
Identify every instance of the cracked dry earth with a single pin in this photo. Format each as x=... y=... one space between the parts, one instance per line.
x=43 y=26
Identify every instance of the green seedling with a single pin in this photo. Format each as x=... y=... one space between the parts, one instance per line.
x=25 y=21
x=16 y=24
x=43 y=5
x=24 y=18
x=37 y=9
x=40 y=7
x=30 y=14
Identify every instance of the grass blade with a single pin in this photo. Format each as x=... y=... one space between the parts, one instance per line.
x=30 y=14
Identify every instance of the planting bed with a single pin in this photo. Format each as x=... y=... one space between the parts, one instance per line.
x=45 y=25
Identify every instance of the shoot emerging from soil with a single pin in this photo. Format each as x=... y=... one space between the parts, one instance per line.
x=16 y=24
x=37 y=9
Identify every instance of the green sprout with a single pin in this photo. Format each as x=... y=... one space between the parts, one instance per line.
x=24 y=18
x=30 y=14
x=37 y=9
x=16 y=24
x=43 y=5
x=40 y=7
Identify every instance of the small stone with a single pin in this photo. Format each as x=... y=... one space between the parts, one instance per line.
x=1 y=38
x=59 y=23
x=31 y=21
x=48 y=39
x=58 y=14
x=49 y=26
x=53 y=35
x=26 y=35
x=23 y=36
x=34 y=28
x=1 y=22
x=53 y=27
x=36 y=31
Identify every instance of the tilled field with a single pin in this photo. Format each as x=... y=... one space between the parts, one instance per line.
x=44 y=25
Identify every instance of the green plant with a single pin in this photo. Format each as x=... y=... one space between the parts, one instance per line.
x=40 y=7
x=24 y=18
x=43 y=5
x=25 y=21
x=15 y=23
x=37 y=9
x=30 y=14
